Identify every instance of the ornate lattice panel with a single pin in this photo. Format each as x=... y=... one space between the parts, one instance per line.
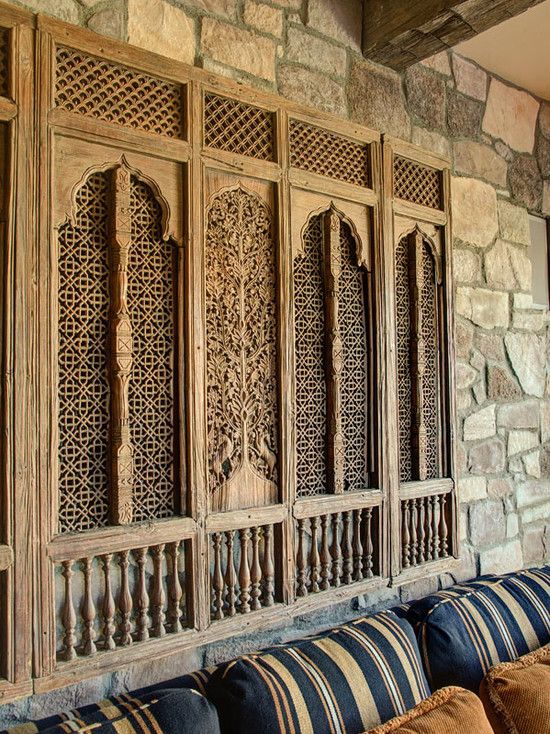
x=4 y=61
x=430 y=383
x=113 y=93
x=238 y=127
x=82 y=384
x=416 y=183
x=151 y=388
x=328 y=154
x=404 y=385
x=309 y=328
x=241 y=348
x=355 y=374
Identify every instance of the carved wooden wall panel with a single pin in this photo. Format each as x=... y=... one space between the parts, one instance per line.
x=241 y=333
x=204 y=432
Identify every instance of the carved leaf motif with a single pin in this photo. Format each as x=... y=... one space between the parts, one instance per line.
x=241 y=337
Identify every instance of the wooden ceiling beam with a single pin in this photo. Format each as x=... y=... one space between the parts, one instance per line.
x=399 y=33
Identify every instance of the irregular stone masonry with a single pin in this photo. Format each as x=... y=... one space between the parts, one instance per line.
x=498 y=137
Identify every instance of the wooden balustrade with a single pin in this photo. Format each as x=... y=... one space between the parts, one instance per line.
x=334 y=550
x=242 y=571
x=119 y=599
x=424 y=530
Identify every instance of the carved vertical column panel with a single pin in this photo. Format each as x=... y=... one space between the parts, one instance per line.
x=418 y=357
x=120 y=356
x=332 y=269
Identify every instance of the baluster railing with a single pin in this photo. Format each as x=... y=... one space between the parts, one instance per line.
x=336 y=551
x=142 y=597
x=301 y=561
x=158 y=596
x=314 y=560
x=268 y=569
x=230 y=575
x=88 y=610
x=68 y=616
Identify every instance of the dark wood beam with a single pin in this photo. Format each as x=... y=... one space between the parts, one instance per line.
x=399 y=33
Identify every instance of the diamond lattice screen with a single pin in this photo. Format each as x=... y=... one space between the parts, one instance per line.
x=328 y=154
x=416 y=183
x=238 y=128
x=4 y=61
x=403 y=328
x=151 y=390
x=82 y=382
x=428 y=304
x=113 y=93
x=310 y=372
x=355 y=376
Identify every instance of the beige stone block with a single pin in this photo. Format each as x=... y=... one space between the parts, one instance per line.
x=107 y=22
x=511 y=115
x=430 y=140
x=490 y=345
x=544 y=119
x=489 y=309
x=519 y=415
x=226 y=8
x=531 y=493
x=465 y=376
x=512 y=525
x=499 y=488
x=502 y=558
x=238 y=48
x=316 y=53
x=482 y=161
x=471 y=489
x=466 y=266
x=67 y=10
x=463 y=400
x=545 y=421
x=468 y=196
x=481 y=424
x=480 y=392
x=507 y=267
x=376 y=99
x=263 y=18
x=487 y=457
x=546 y=198
x=534 y=514
x=340 y=20
x=464 y=338
x=513 y=222
x=501 y=385
x=469 y=78
x=311 y=88
x=439 y=62
x=527 y=354
x=535 y=543
x=534 y=321
x=520 y=441
x=487 y=523
x=523 y=301
x=174 y=30
x=531 y=462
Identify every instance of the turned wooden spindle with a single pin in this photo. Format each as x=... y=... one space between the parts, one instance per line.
x=435 y=531
x=443 y=528
x=88 y=610
x=158 y=596
x=301 y=561
x=406 y=518
x=109 y=608
x=142 y=597
x=255 y=572
x=268 y=569
x=217 y=577
x=230 y=575
x=429 y=533
x=368 y=545
x=125 y=600
x=422 y=531
x=357 y=546
x=68 y=615
x=347 y=551
x=414 y=533
x=325 y=555
x=314 y=560
x=336 y=551
x=175 y=592
x=244 y=572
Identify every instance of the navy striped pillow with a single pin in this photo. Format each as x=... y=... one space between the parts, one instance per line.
x=465 y=630
x=348 y=680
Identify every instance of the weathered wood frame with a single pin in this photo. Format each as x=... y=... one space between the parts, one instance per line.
x=296 y=194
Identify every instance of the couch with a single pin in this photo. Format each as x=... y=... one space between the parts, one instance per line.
x=358 y=677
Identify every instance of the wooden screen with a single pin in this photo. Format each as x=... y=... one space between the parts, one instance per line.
x=227 y=310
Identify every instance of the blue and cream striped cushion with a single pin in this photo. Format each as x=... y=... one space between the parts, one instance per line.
x=465 y=630
x=347 y=680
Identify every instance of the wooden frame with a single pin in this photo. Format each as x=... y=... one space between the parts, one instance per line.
x=220 y=564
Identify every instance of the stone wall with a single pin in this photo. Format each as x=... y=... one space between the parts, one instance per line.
x=498 y=138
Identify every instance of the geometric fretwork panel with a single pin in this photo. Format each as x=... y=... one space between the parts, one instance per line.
x=328 y=154
x=82 y=383
x=113 y=93
x=4 y=61
x=355 y=374
x=416 y=183
x=404 y=383
x=151 y=397
x=428 y=304
x=309 y=327
x=237 y=127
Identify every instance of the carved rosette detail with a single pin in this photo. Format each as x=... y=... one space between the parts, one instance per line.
x=241 y=349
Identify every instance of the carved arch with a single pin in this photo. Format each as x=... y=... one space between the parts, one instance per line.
x=430 y=241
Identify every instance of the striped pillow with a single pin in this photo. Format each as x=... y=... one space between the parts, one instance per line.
x=465 y=630
x=347 y=680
